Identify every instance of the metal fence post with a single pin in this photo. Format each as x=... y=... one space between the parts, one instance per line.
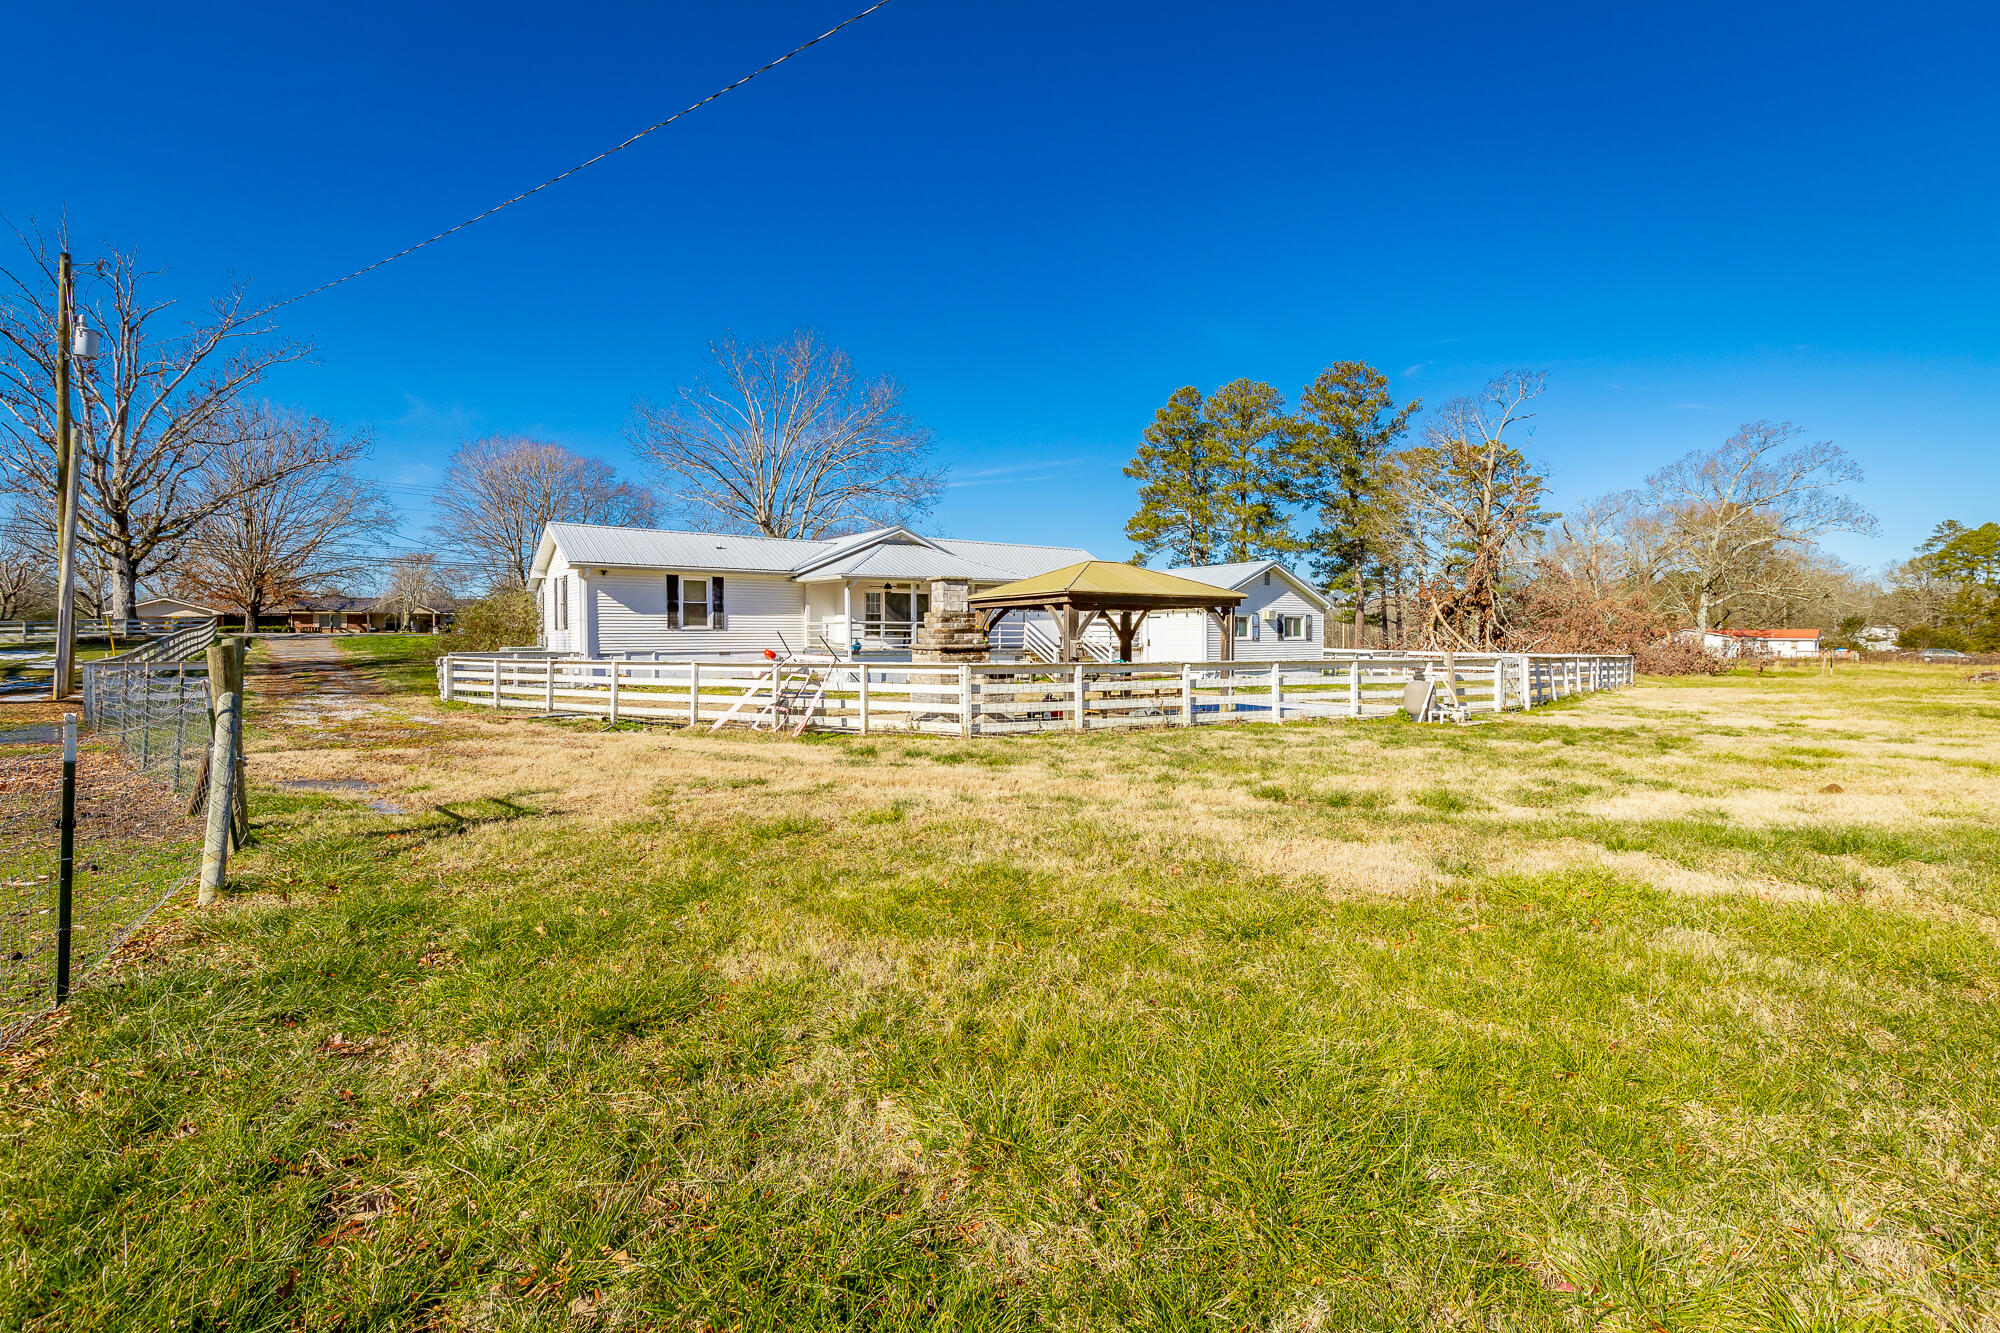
x=221 y=800
x=67 y=862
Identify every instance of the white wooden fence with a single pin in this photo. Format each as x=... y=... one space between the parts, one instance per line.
x=1000 y=698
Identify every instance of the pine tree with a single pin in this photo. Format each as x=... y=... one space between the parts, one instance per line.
x=1177 y=502
x=1249 y=433
x=1340 y=461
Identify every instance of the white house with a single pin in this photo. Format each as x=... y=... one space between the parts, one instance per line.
x=1281 y=617
x=1774 y=642
x=607 y=591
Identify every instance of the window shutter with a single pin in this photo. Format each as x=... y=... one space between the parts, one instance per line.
x=716 y=620
x=1306 y=627
x=673 y=601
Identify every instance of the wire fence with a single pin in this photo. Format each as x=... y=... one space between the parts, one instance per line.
x=156 y=714
x=134 y=848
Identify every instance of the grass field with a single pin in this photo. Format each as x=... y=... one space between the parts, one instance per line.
x=1666 y=1009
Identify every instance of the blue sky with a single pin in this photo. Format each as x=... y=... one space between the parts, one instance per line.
x=1046 y=217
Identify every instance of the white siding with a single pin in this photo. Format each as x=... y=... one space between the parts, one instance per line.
x=1193 y=636
x=561 y=581
x=630 y=609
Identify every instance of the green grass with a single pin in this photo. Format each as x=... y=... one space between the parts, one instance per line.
x=400 y=661
x=681 y=1032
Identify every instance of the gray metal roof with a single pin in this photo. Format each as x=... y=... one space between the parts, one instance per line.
x=906 y=562
x=658 y=548
x=1017 y=560
x=1237 y=574
x=882 y=554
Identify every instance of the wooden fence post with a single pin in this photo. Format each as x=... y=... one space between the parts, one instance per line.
x=444 y=677
x=1354 y=688
x=221 y=798
x=496 y=680
x=1077 y=691
x=694 y=694
x=1277 y=692
x=965 y=701
x=864 y=698
x=1187 y=694
x=549 y=685
x=611 y=703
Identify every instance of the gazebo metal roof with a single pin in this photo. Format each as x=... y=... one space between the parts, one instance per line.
x=1076 y=595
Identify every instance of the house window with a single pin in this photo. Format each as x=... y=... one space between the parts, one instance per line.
x=562 y=602
x=872 y=606
x=1291 y=627
x=694 y=603
x=326 y=619
x=1246 y=627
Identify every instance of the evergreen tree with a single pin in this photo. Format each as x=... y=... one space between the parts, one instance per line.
x=1177 y=500
x=1248 y=434
x=1340 y=462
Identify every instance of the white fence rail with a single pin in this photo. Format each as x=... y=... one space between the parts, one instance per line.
x=1003 y=698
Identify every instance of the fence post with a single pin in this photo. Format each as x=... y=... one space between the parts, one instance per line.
x=496 y=680
x=221 y=798
x=67 y=863
x=864 y=698
x=965 y=701
x=694 y=694
x=1077 y=691
x=1354 y=688
x=1277 y=692
x=444 y=677
x=549 y=685
x=611 y=701
x=239 y=652
x=1187 y=694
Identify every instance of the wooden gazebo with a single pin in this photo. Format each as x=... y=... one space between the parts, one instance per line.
x=1123 y=595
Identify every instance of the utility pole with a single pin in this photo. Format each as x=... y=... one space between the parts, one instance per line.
x=66 y=491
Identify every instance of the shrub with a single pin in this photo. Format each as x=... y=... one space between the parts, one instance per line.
x=504 y=619
x=1677 y=656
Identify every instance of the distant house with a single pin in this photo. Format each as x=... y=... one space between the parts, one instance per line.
x=181 y=608
x=1769 y=642
x=1281 y=617
x=360 y=615
x=1879 y=638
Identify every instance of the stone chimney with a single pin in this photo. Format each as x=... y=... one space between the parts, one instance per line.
x=950 y=631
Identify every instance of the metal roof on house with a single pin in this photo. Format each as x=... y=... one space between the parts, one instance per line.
x=660 y=548
x=905 y=562
x=1237 y=574
x=884 y=553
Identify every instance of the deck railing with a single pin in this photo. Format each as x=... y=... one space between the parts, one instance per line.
x=1003 y=698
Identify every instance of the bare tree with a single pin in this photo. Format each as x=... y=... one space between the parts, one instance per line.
x=417 y=583
x=1738 y=521
x=152 y=412
x=287 y=516
x=27 y=581
x=1476 y=500
x=499 y=493
x=784 y=440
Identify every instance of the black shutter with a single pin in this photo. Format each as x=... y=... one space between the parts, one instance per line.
x=715 y=616
x=673 y=601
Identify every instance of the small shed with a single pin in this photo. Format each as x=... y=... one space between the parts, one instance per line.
x=1076 y=595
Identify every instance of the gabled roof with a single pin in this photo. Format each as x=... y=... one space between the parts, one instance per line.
x=883 y=553
x=1107 y=582
x=1243 y=571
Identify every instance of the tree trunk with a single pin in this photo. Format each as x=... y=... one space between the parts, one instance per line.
x=1360 y=605
x=124 y=587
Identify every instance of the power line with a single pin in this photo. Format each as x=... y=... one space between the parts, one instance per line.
x=507 y=203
